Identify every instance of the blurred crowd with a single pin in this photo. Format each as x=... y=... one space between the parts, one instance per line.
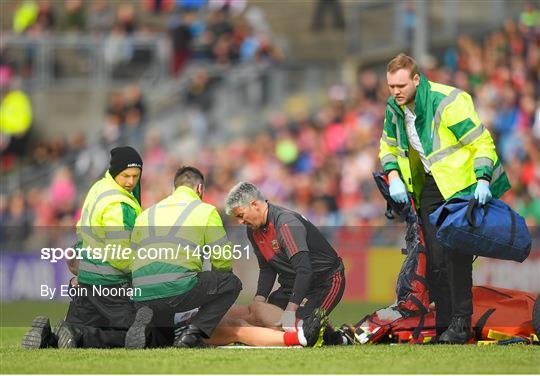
x=321 y=163
x=223 y=32
x=218 y=33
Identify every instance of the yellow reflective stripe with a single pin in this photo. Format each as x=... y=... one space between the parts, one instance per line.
x=470 y=137
x=388 y=158
x=437 y=118
x=98 y=269
x=483 y=162
x=402 y=153
x=161 y=278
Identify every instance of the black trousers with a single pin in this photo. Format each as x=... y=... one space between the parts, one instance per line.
x=449 y=273
x=100 y=321
x=213 y=295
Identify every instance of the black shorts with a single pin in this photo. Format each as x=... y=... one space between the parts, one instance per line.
x=325 y=295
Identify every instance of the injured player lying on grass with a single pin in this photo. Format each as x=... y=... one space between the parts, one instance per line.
x=258 y=325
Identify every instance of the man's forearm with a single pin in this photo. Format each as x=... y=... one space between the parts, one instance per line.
x=265 y=283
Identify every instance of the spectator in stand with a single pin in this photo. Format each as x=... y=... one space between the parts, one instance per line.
x=325 y=6
x=125 y=18
x=234 y=7
x=267 y=52
x=135 y=116
x=24 y=16
x=15 y=120
x=502 y=72
x=74 y=19
x=199 y=98
x=46 y=19
x=180 y=32
x=62 y=194
x=112 y=130
x=18 y=221
x=219 y=24
x=199 y=94
x=158 y=6
x=100 y=17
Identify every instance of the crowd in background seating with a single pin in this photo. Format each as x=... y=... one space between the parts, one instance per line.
x=218 y=31
x=321 y=163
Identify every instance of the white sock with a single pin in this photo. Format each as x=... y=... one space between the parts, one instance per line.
x=301 y=338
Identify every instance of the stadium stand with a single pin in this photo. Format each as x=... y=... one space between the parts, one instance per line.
x=318 y=162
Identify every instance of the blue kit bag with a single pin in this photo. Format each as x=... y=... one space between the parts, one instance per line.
x=493 y=230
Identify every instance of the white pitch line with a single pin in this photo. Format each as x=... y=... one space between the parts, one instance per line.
x=259 y=347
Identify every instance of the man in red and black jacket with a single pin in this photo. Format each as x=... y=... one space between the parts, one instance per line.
x=287 y=245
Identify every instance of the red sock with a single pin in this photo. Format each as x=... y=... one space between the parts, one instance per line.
x=291 y=339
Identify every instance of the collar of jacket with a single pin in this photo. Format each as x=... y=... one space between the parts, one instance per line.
x=270 y=209
x=420 y=100
x=136 y=192
x=183 y=190
x=423 y=110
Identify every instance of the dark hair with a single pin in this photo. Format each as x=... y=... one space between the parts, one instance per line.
x=188 y=176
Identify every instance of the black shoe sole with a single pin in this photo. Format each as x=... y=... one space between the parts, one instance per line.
x=197 y=345
x=136 y=334
x=66 y=338
x=36 y=337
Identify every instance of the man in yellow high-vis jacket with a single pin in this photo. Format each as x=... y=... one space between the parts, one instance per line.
x=102 y=310
x=183 y=264
x=435 y=147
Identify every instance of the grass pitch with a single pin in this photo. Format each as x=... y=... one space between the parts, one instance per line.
x=335 y=360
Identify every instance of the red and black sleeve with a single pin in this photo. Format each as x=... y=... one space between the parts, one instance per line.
x=292 y=234
x=267 y=275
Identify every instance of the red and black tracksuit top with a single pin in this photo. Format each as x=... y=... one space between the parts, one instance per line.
x=292 y=248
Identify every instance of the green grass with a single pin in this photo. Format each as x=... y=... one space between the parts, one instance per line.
x=336 y=360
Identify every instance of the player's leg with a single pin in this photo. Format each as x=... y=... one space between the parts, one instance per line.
x=246 y=334
x=307 y=335
x=237 y=312
x=325 y=296
x=265 y=314
x=214 y=294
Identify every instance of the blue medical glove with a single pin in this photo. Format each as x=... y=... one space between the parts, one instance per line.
x=398 y=191
x=482 y=194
